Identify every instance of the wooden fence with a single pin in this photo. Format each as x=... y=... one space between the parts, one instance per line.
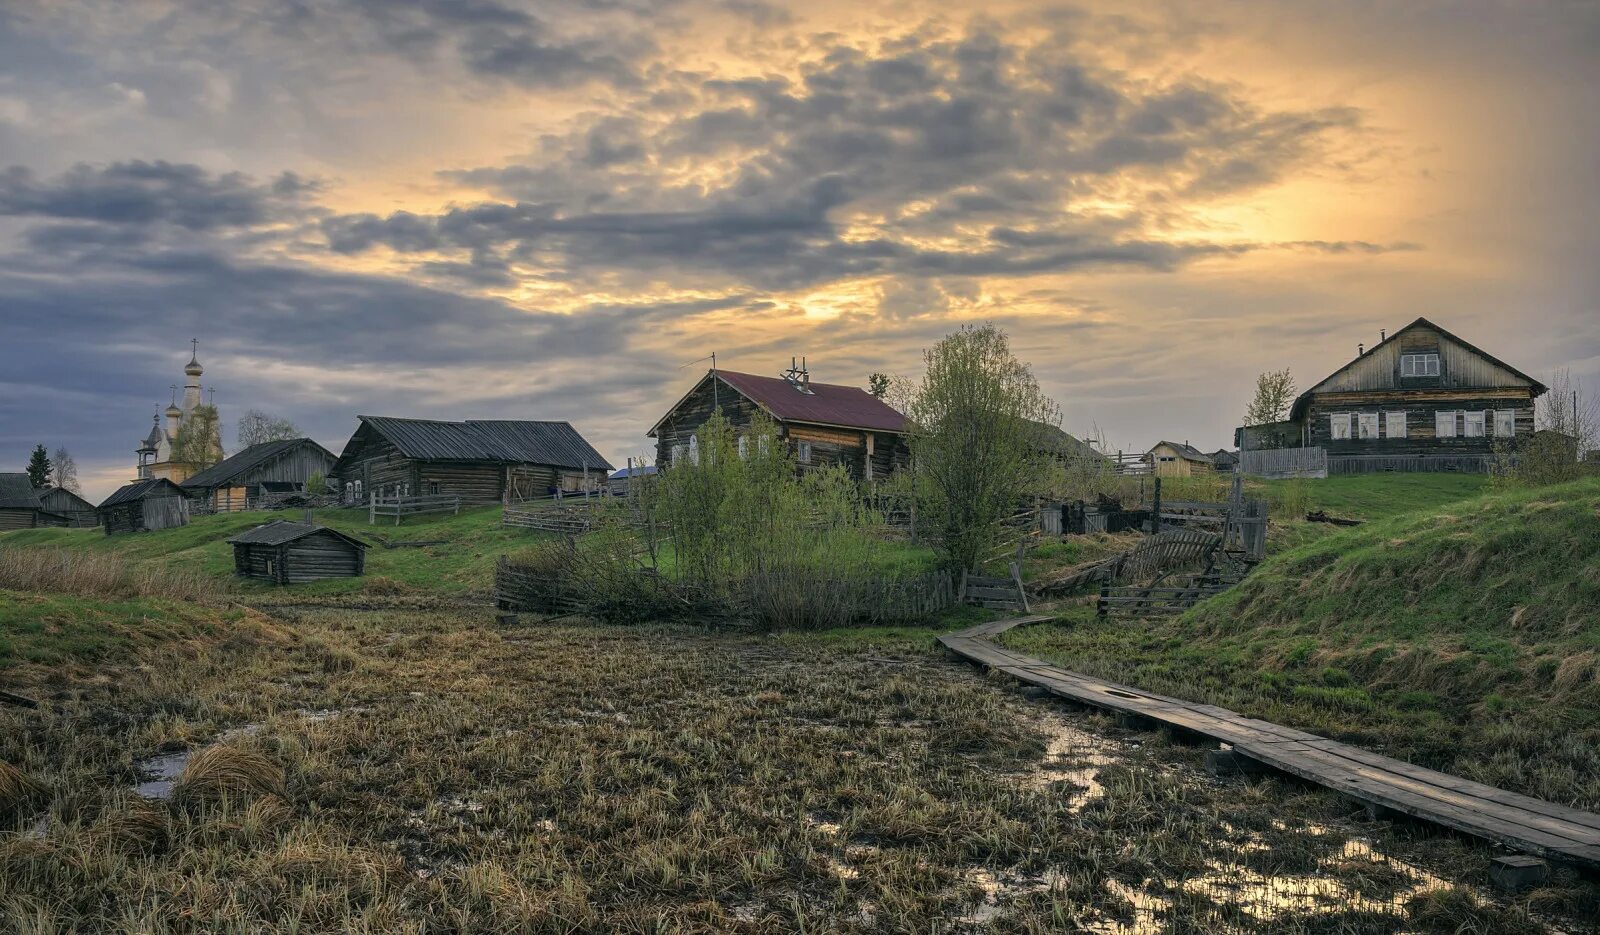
x=1277 y=463
x=398 y=507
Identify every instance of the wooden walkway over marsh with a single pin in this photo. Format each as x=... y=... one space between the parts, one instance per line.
x=1518 y=821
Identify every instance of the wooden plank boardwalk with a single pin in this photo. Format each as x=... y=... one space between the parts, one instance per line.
x=1518 y=821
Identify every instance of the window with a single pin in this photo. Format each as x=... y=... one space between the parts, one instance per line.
x=694 y=450
x=677 y=454
x=1394 y=424
x=1339 y=426
x=358 y=490
x=349 y=492
x=1419 y=365
x=1367 y=425
x=804 y=454
x=1444 y=423
x=1473 y=424
x=433 y=486
x=1166 y=458
x=1505 y=423
x=763 y=443
x=744 y=447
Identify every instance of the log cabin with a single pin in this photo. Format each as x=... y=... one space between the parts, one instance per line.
x=821 y=423
x=480 y=461
x=1422 y=399
x=293 y=553
x=79 y=513
x=144 y=506
x=20 y=506
x=270 y=467
x=1178 y=459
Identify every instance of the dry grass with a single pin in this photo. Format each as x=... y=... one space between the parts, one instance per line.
x=588 y=779
x=101 y=574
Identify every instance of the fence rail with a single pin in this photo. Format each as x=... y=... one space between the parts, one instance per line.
x=398 y=507
x=1277 y=463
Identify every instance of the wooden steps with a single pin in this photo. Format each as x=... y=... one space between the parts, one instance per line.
x=993 y=592
x=1522 y=822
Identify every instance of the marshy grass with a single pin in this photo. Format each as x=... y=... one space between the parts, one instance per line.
x=103 y=575
x=464 y=778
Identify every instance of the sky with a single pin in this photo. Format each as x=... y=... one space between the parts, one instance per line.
x=553 y=209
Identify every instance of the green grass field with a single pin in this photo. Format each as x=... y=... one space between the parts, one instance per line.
x=1465 y=636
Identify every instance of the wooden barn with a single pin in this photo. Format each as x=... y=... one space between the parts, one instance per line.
x=294 y=553
x=79 y=513
x=480 y=461
x=1421 y=399
x=822 y=423
x=278 y=467
x=20 y=506
x=1178 y=459
x=144 y=506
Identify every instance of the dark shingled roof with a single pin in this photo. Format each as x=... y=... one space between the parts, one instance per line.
x=509 y=441
x=826 y=404
x=281 y=531
x=17 y=493
x=223 y=471
x=138 y=490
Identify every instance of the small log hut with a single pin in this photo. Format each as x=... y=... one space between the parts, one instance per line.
x=144 y=506
x=293 y=553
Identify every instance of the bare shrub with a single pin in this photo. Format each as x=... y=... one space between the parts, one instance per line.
x=99 y=574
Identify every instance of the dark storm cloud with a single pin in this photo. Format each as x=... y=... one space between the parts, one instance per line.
x=996 y=148
x=140 y=193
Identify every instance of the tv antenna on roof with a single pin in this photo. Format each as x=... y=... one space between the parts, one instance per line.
x=715 y=403
x=798 y=376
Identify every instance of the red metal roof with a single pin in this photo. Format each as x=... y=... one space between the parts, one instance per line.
x=826 y=404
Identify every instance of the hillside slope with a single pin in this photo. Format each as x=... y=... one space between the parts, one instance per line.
x=1466 y=637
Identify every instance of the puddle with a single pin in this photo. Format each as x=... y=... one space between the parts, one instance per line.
x=160 y=772
x=1073 y=758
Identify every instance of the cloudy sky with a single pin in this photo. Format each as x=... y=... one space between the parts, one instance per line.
x=548 y=208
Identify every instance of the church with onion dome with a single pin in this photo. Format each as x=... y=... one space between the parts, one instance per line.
x=158 y=452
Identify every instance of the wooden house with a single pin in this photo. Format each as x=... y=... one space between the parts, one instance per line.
x=1178 y=459
x=277 y=467
x=623 y=479
x=78 y=512
x=1421 y=399
x=294 y=553
x=20 y=506
x=144 y=506
x=821 y=423
x=480 y=461
x=1224 y=461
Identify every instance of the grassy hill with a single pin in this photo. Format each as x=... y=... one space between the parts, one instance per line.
x=462 y=561
x=1464 y=635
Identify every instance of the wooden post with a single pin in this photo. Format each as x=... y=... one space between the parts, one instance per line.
x=372 y=507
x=1155 y=513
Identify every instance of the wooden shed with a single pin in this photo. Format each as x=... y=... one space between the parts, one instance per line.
x=1175 y=459
x=278 y=467
x=479 y=460
x=20 y=507
x=144 y=506
x=78 y=512
x=294 y=553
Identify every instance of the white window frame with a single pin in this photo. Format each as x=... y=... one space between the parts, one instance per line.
x=694 y=450
x=1467 y=418
x=677 y=454
x=1419 y=365
x=1368 y=425
x=803 y=452
x=1392 y=420
x=744 y=447
x=1440 y=418
x=1505 y=423
x=1339 y=426
x=764 y=445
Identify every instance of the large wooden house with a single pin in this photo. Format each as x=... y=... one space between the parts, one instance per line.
x=1421 y=399
x=821 y=423
x=268 y=468
x=480 y=461
x=144 y=506
x=20 y=506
